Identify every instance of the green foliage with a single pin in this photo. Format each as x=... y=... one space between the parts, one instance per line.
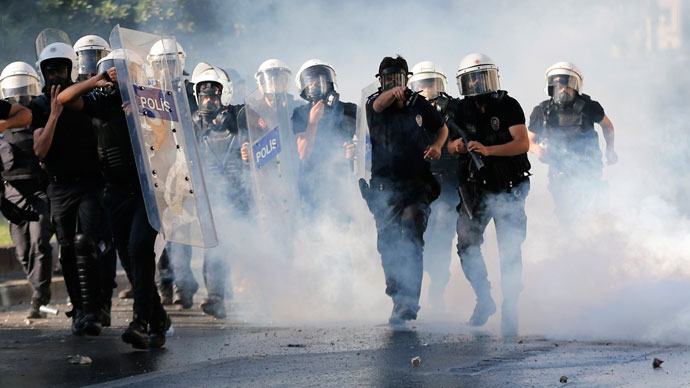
x=21 y=21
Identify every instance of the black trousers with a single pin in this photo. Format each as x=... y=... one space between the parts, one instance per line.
x=76 y=207
x=32 y=239
x=134 y=239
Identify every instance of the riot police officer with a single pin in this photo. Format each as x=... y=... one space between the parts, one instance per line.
x=65 y=142
x=493 y=184
x=562 y=135
x=429 y=80
x=323 y=128
x=401 y=186
x=90 y=50
x=100 y=97
x=220 y=141
x=25 y=187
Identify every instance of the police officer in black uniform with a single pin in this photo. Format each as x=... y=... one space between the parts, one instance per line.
x=562 y=135
x=25 y=185
x=493 y=184
x=430 y=81
x=401 y=186
x=324 y=128
x=100 y=97
x=65 y=142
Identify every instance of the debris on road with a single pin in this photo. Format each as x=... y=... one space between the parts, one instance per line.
x=78 y=359
x=564 y=379
x=657 y=363
x=296 y=346
x=416 y=361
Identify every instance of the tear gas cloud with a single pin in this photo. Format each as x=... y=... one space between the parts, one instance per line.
x=620 y=273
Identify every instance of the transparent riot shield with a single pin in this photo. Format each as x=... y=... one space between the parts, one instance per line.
x=160 y=126
x=273 y=159
x=48 y=36
x=363 y=142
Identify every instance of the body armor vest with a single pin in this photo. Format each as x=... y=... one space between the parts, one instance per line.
x=500 y=172
x=115 y=154
x=18 y=159
x=569 y=133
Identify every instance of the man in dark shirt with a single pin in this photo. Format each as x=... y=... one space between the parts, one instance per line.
x=562 y=135
x=324 y=127
x=25 y=184
x=497 y=138
x=65 y=142
x=134 y=236
x=430 y=81
x=401 y=187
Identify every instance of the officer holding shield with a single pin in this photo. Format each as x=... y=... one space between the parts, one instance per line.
x=401 y=186
x=100 y=97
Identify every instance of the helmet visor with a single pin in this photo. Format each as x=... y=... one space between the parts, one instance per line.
x=19 y=85
x=430 y=88
x=208 y=97
x=88 y=61
x=168 y=64
x=559 y=80
x=22 y=100
x=315 y=82
x=274 y=81
x=478 y=82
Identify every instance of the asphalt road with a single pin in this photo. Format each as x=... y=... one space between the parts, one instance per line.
x=204 y=352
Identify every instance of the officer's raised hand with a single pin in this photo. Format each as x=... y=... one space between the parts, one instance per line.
x=55 y=105
x=106 y=78
x=316 y=112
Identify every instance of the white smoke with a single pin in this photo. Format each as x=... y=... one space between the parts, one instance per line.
x=622 y=273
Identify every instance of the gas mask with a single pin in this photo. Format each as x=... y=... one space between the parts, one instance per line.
x=561 y=97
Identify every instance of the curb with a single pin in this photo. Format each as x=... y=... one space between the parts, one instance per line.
x=16 y=292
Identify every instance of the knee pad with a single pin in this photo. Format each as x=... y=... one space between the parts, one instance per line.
x=85 y=247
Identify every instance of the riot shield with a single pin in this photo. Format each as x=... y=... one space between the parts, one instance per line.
x=363 y=142
x=273 y=159
x=163 y=140
x=48 y=36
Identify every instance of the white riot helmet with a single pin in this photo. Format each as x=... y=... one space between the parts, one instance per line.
x=164 y=54
x=135 y=65
x=428 y=79
x=315 y=80
x=477 y=74
x=49 y=60
x=273 y=77
x=563 y=74
x=212 y=88
x=90 y=49
x=19 y=83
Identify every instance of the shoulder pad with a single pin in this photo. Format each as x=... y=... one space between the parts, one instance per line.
x=374 y=96
x=350 y=109
x=586 y=97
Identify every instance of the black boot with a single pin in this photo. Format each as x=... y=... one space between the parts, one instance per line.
x=160 y=323
x=89 y=280
x=136 y=333
x=214 y=306
x=71 y=276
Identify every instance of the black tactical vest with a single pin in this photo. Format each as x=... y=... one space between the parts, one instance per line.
x=18 y=159
x=116 y=155
x=569 y=129
x=500 y=172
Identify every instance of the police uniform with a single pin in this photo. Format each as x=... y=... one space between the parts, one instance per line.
x=327 y=163
x=220 y=151
x=133 y=234
x=25 y=186
x=441 y=225
x=571 y=151
x=499 y=190
x=74 y=194
x=401 y=190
